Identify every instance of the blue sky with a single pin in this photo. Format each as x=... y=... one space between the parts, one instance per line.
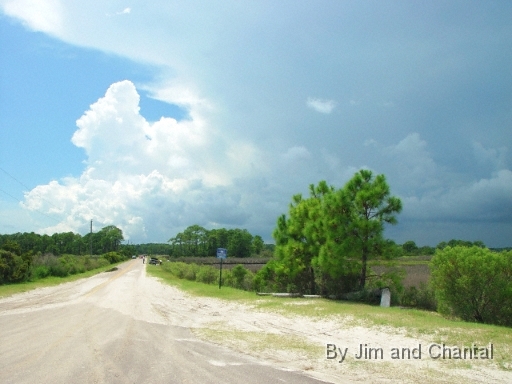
x=153 y=117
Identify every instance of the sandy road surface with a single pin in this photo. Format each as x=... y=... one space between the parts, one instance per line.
x=116 y=327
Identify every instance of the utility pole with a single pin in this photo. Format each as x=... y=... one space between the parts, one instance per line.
x=90 y=241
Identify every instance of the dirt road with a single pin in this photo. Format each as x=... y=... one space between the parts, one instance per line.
x=117 y=327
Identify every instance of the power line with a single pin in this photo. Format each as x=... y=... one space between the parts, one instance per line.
x=38 y=211
x=18 y=200
x=28 y=188
x=12 y=177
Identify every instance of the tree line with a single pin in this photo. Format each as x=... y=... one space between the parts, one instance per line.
x=198 y=241
x=410 y=248
x=108 y=239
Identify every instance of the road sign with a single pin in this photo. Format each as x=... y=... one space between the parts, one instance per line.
x=222 y=253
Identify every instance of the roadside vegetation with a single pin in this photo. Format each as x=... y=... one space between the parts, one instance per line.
x=11 y=289
x=22 y=264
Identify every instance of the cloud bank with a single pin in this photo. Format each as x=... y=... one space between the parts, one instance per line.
x=152 y=179
x=421 y=94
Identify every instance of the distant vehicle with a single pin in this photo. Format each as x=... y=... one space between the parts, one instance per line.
x=134 y=256
x=154 y=261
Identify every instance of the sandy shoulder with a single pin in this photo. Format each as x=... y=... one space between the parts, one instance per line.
x=298 y=342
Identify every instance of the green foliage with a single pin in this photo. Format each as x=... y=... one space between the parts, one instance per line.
x=13 y=267
x=409 y=247
x=460 y=243
x=391 y=279
x=257 y=244
x=473 y=283
x=191 y=272
x=113 y=257
x=422 y=297
x=328 y=238
x=238 y=273
x=198 y=241
x=61 y=266
x=207 y=275
x=239 y=243
x=238 y=277
x=107 y=239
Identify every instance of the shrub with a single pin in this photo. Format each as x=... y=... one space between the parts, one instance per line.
x=14 y=267
x=113 y=257
x=50 y=265
x=178 y=269
x=207 y=275
x=40 y=272
x=474 y=284
x=422 y=297
x=238 y=272
x=191 y=272
x=248 y=283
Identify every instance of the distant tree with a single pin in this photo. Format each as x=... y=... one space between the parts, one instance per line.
x=198 y=241
x=460 y=243
x=410 y=247
x=426 y=250
x=110 y=238
x=217 y=238
x=257 y=244
x=195 y=238
x=239 y=243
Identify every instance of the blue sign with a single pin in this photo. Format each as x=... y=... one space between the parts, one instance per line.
x=222 y=253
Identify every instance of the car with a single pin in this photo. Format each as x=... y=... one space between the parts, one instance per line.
x=134 y=257
x=154 y=261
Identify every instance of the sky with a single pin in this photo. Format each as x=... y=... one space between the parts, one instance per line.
x=154 y=116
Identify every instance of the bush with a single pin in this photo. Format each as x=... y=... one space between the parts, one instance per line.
x=474 y=284
x=207 y=275
x=248 y=283
x=113 y=257
x=238 y=273
x=191 y=272
x=40 y=272
x=178 y=269
x=422 y=297
x=14 y=267
x=50 y=265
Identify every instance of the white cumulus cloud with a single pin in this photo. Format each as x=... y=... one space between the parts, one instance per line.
x=322 y=106
x=39 y=15
x=147 y=177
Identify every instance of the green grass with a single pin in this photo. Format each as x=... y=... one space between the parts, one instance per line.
x=11 y=289
x=429 y=326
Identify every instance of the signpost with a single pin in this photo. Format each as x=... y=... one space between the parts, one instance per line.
x=222 y=253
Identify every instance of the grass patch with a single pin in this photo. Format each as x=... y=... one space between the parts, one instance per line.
x=11 y=289
x=200 y=289
x=263 y=343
